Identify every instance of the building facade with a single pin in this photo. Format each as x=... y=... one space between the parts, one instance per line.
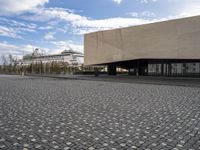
x=169 y=48
x=70 y=57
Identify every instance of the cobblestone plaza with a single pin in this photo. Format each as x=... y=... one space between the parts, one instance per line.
x=46 y=113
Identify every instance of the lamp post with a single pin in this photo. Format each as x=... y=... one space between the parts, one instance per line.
x=40 y=66
x=22 y=69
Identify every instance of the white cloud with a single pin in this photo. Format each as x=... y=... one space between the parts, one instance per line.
x=6 y=48
x=191 y=11
x=134 y=14
x=142 y=1
x=62 y=45
x=8 y=32
x=117 y=1
x=14 y=23
x=14 y=29
x=105 y=24
x=49 y=36
x=46 y=27
x=147 y=1
x=142 y=14
x=147 y=13
x=18 y=50
x=81 y=24
x=19 y=6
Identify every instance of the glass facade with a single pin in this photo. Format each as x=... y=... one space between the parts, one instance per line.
x=174 y=69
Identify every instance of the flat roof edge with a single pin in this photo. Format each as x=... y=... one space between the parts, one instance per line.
x=150 y=23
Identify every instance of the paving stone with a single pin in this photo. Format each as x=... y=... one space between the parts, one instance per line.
x=45 y=113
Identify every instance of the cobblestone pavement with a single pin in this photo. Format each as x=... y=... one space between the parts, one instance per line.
x=46 y=113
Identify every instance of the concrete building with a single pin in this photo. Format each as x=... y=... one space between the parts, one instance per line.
x=70 y=57
x=169 y=48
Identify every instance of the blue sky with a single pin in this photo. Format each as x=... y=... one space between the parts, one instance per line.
x=54 y=25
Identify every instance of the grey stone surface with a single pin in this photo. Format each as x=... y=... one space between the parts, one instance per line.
x=46 y=113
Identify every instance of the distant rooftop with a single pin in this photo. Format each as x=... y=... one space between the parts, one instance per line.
x=70 y=51
x=35 y=53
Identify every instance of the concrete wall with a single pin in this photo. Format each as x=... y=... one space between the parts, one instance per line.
x=174 y=39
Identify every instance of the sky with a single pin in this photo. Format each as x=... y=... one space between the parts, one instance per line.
x=55 y=25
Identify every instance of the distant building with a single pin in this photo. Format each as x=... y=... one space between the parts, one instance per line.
x=70 y=57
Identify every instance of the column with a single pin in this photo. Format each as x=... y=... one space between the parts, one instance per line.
x=112 y=69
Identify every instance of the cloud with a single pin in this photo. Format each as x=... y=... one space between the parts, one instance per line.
x=142 y=1
x=105 y=24
x=147 y=13
x=117 y=1
x=142 y=14
x=14 y=23
x=147 y=1
x=78 y=24
x=62 y=45
x=81 y=24
x=8 y=32
x=49 y=36
x=17 y=7
x=6 y=48
x=46 y=27
x=18 y=50
x=14 y=29
x=191 y=10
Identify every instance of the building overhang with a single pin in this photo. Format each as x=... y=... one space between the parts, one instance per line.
x=174 y=39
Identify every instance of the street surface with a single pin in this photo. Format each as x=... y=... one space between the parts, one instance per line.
x=48 y=113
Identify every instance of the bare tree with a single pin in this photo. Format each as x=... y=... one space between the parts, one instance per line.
x=10 y=57
x=4 y=60
x=12 y=60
